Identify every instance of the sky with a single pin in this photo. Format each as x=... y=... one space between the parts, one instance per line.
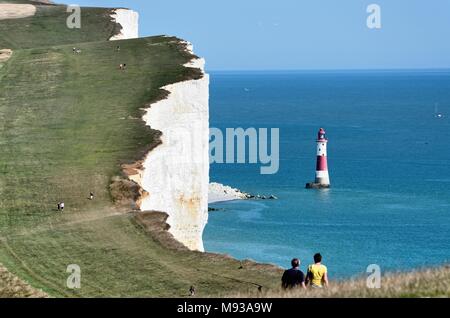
x=301 y=34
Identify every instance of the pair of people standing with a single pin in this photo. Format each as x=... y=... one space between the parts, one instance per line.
x=316 y=275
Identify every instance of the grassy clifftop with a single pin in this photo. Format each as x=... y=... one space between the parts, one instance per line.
x=48 y=27
x=67 y=124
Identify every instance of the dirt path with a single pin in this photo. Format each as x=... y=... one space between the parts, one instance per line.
x=5 y=54
x=16 y=11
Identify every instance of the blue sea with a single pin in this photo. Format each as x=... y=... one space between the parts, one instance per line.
x=389 y=163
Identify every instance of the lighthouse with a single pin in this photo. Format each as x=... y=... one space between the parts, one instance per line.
x=322 y=178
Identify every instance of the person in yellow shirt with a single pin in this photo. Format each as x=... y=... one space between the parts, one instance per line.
x=317 y=275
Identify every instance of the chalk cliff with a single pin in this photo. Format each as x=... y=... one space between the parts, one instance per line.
x=129 y=20
x=176 y=173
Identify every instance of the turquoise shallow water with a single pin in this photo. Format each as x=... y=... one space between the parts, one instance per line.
x=389 y=161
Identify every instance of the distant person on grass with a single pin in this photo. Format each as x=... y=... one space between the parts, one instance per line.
x=91 y=196
x=293 y=277
x=61 y=206
x=317 y=275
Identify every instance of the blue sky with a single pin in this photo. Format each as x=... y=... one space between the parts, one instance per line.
x=301 y=34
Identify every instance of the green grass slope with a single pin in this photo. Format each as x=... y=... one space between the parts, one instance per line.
x=67 y=124
x=48 y=27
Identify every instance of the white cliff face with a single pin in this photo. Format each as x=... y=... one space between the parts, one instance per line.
x=176 y=173
x=129 y=20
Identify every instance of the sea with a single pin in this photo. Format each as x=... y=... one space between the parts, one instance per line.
x=389 y=165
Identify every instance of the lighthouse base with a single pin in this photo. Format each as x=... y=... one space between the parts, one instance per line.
x=315 y=185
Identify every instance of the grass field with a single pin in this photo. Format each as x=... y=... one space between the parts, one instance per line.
x=48 y=27
x=67 y=123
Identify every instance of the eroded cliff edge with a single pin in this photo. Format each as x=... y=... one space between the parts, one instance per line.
x=176 y=173
x=174 y=176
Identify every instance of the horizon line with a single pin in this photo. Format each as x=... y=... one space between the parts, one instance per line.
x=332 y=69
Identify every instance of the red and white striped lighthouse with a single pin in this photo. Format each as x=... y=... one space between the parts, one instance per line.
x=322 y=177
